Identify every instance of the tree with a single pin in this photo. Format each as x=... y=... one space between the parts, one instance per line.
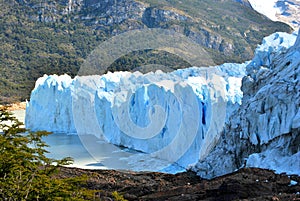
x=26 y=173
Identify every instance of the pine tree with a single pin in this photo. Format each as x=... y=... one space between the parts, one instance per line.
x=26 y=173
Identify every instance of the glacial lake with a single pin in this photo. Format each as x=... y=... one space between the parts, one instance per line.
x=99 y=154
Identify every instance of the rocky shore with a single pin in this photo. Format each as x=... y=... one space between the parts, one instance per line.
x=244 y=184
x=15 y=106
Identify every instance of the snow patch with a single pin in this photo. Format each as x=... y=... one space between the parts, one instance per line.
x=287 y=11
x=266 y=7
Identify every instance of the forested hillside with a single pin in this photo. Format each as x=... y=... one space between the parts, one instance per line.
x=55 y=36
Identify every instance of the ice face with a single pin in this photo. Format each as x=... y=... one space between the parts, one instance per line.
x=266 y=52
x=49 y=108
x=264 y=131
x=174 y=116
x=179 y=116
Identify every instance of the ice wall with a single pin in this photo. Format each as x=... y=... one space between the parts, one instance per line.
x=180 y=116
x=174 y=116
x=264 y=131
x=50 y=105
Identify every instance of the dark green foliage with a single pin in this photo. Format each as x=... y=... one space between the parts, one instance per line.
x=117 y=196
x=30 y=48
x=135 y=60
x=26 y=173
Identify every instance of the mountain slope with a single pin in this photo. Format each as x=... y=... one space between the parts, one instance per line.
x=55 y=36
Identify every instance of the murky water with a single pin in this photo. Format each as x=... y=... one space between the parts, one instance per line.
x=98 y=154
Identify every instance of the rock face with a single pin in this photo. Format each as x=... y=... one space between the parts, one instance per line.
x=152 y=17
x=265 y=130
x=93 y=12
x=115 y=17
x=127 y=15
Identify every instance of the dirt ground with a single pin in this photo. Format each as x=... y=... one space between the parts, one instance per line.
x=15 y=106
x=245 y=184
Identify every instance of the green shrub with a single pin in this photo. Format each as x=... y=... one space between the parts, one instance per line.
x=118 y=197
x=26 y=173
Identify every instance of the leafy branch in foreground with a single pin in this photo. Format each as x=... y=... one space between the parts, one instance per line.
x=25 y=171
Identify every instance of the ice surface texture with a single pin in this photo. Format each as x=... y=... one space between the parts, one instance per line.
x=264 y=131
x=190 y=115
x=174 y=116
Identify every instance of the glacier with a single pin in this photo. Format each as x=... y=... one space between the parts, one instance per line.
x=189 y=116
x=173 y=116
x=264 y=131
